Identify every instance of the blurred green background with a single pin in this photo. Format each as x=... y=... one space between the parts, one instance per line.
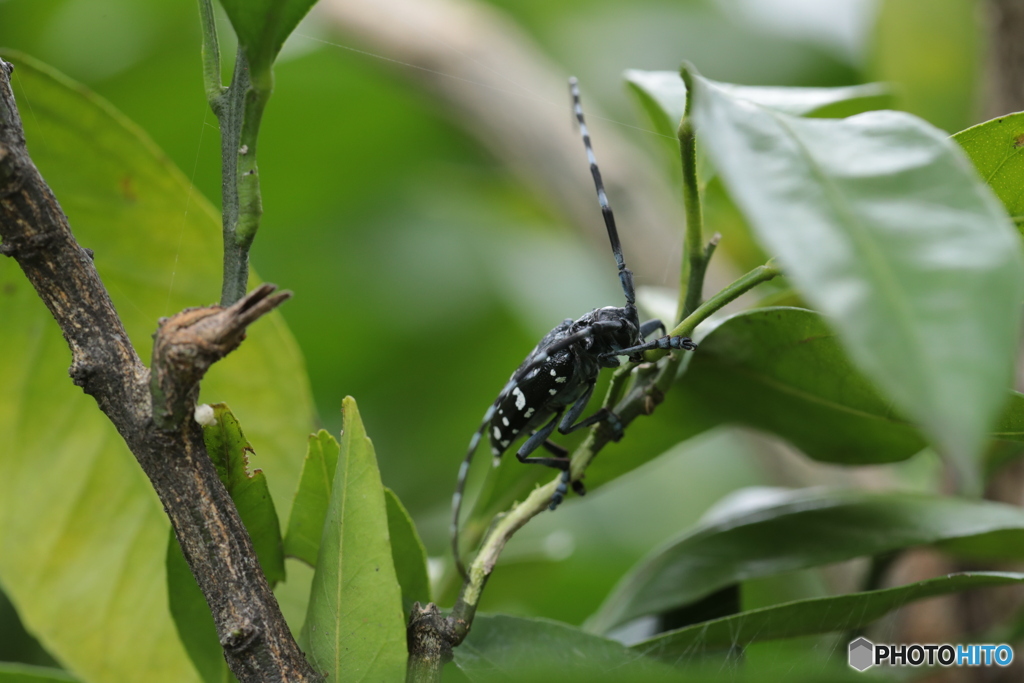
x=424 y=269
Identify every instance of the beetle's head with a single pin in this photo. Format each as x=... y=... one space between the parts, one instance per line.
x=626 y=335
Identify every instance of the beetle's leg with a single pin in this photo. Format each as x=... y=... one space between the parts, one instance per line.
x=650 y=326
x=540 y=438
x=553 y=448
x=535 y=441
x=602 y=415
x=664 y=343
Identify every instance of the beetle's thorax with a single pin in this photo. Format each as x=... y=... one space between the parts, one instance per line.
x=606 y=341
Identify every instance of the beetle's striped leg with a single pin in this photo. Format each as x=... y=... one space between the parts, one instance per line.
x=664 y=343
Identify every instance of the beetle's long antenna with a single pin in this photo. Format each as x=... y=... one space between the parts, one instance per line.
x=625 y=274
x=460 y=488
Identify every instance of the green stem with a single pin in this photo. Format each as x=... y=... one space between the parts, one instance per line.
x=695 y=256
x=239 y=110
x=231 y=112
x=738 y=288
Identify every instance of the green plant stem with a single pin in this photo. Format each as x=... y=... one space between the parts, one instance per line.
x=646 y=394
x=239 y=110
x=695 y=256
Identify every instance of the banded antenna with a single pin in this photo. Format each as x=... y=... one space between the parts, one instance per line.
x=625 y=274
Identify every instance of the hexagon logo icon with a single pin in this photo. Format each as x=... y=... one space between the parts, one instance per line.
x=862 y=654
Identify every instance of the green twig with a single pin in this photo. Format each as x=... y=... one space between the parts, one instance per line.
x=695 y=256
x=239 y=110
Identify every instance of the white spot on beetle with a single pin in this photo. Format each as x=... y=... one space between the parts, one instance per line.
x=560 y=380
x=504 y=421
x=529 y=412
x=553 y=373
x=504 y=444
x=497 y=433
x=520 y=398
x=552 y=391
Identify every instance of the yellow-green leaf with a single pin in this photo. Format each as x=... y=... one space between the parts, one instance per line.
x=309 y=508
x=996 y=147
x=409 y=555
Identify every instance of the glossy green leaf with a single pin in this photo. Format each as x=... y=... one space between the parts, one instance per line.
x=883 y=225
x=193 y=619
x=410 y=556
x=309 y=508
x=809 y=617
x=512 y=648
x=84 y=542
x=24 y=673
x=663 y=96
x=995 y=148
x=782 y=370
x=355 y=628
x=766 y=533
x=262 y=26
x=230 y=450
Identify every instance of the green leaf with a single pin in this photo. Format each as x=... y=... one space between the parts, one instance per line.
x=766 y=533
x=355 y=627
x=84 y=540
x=408 y=552
x=512 y=648
x=781 y=370
x=262 y=26
x=995 y=148
x=229 y=450
x=809 y=617
x=24 y=673
x=193 y=619
x=503 y=648
x=309 y=508
x=881 y=223
x=663 y=96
